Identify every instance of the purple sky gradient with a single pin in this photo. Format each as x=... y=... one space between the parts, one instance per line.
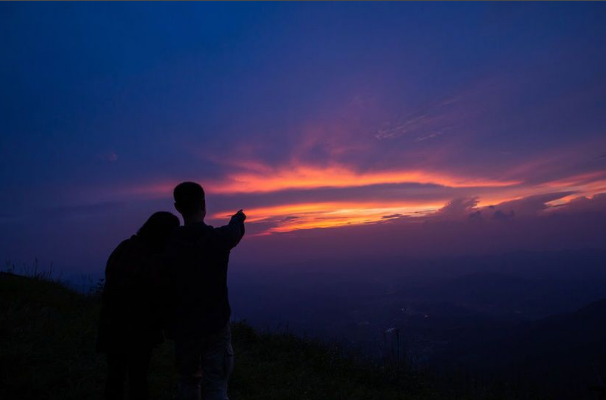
x=342 y=129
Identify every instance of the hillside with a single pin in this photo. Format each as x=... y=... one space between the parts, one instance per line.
x=47 y=335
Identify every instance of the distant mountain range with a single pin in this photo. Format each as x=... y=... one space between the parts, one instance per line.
x=565 y=353
x=537 y=315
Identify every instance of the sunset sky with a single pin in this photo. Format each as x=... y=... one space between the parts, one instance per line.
x=324 y=122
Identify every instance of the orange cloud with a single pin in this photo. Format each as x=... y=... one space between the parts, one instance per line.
x=587 y=182
x=336 y=176
x=332 y=214
x=256 y=177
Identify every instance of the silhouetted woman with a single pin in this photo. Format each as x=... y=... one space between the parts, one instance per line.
x=130 y=324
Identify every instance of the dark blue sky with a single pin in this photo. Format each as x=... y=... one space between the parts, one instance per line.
x=307 y=115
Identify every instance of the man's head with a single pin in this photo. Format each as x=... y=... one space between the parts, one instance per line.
x=189 y=199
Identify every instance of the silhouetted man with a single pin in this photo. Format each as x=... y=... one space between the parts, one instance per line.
x=197 y=258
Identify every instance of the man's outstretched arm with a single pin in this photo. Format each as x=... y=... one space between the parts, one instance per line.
x=232 y=233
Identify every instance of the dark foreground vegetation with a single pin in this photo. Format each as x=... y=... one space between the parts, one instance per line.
x=47 y=336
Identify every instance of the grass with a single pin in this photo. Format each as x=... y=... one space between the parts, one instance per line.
x=47 y=351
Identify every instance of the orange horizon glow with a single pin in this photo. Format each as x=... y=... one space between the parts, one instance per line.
x=294 y=217
x=260 y=178
x=310 y=177
x=331 y=214
x=256 y=177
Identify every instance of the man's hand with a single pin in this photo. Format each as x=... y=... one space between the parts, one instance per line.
x=240 y=215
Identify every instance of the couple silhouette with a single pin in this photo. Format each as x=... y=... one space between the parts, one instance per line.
x=170 y=280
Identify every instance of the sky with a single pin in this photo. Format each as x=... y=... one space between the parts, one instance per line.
x=342 y=129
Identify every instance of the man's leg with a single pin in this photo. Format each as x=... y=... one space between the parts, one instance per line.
x=187 y=352
x=217 y=364
x=116 y=375
x=138 y=368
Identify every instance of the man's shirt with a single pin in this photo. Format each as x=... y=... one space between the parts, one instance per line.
x=196 y=262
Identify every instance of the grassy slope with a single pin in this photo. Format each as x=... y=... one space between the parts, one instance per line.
x=47 y=335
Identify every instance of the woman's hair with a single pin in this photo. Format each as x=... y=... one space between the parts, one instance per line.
x=158 y=228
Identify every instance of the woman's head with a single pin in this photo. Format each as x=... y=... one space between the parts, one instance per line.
x=158 y=227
